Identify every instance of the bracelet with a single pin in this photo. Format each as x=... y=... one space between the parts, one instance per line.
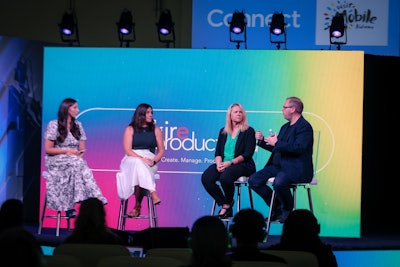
x=154 y=162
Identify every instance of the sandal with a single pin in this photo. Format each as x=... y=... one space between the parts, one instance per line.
x=154 y=197
x=135 y=212
x=226 y=211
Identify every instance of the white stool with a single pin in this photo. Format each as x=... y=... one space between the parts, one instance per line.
x=241 y=181
x=294 y=187
x=152 y=210
x=152 y=213
x=57 y=216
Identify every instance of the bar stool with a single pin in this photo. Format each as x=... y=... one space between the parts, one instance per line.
x=241 y=181
x=57 y=216
x=294 y=187
x=152 y=211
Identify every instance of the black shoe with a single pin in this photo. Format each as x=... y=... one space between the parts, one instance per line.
x=70 y=213
x=275 y=216
x=282 y=218
x=228 y=213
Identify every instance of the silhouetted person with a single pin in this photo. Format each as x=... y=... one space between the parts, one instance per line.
x=11 y=214
x=19 y=247
x=300 y=232
x=209 y=243
x=90 y=225
x=248 y=229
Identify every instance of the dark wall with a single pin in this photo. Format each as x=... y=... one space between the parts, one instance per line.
x=380 y=182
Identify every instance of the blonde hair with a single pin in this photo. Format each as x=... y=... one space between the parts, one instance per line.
x=244 y=125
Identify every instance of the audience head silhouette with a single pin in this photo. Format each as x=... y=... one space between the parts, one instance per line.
x=91 y=214
x=11 y=214
x=90 y=225
x=300 y=225
x=19 y=247
x=301 y=232
x=248 y=227
x=209 y=242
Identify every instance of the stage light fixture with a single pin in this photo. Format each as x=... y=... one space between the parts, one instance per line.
x=165 y=24
x=338 y=30
x=337 y=26
x=69 y=27
x=166 y=28
x=277 y=30
x=237 y=24
x=126 y=28
x=277 y=25
x=238 y=29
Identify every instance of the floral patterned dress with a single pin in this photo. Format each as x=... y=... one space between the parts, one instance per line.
x=69 y=180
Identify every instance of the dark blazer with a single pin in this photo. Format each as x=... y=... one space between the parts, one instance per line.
x=296 y=150
x=245 y=146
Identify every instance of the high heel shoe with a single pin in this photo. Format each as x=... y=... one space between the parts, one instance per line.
x=154 y=197
x=103 y=200
x=225 y=212
x=135 y=212
x=70 y=213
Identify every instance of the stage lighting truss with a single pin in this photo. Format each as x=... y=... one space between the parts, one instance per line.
x=69 y=28
x=238 y=28
x=126 y=28
x=166 y=28
x=277 y=30
x=338 y=30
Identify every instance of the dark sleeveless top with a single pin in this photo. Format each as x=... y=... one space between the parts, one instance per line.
x=144 y=139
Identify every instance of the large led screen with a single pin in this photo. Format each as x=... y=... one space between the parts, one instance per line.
x=190 y=91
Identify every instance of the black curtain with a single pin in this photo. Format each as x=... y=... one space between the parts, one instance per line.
x=380 y=182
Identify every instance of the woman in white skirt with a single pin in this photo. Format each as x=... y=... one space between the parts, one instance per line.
x=143 y=143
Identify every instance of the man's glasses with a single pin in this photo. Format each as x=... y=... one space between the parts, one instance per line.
x=287 y=106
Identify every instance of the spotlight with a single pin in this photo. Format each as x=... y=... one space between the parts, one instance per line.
x=237 y=26
x=337 y=26
x=69 y=27
x=165 y=24
x=277 y=30
x=67 y=24
x=277 y=25
x=338 y=30
x=165 y=28
x=125 y=26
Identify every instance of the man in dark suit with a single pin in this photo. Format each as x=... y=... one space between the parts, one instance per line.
x=290 y=161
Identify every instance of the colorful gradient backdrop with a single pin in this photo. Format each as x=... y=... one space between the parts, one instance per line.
x=190 y=91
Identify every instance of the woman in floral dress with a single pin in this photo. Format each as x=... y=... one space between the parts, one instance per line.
x=69 y=180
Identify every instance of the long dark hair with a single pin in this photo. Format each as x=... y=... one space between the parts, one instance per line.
x=92 y=216
x=209 y=242
x=62 y=121
x=139 y=117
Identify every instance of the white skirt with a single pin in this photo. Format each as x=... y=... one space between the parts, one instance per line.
x=134 y=171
